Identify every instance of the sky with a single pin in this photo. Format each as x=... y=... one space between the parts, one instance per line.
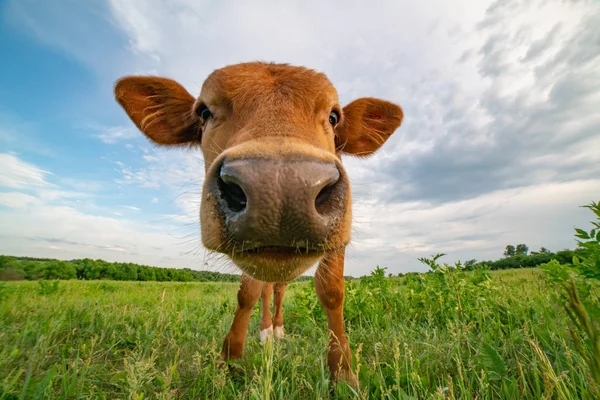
x=499 y=144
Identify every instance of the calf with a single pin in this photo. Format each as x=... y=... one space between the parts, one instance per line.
x=276 y=198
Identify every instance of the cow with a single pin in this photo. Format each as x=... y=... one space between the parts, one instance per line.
x=276 y=198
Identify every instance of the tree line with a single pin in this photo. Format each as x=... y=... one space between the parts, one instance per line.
x=519 y=257
x=29 y=268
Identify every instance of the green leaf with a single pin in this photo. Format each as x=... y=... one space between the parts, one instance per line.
x=45 y=383
x=493 y=362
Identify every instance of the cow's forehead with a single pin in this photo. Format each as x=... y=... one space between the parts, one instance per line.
x=264 y=83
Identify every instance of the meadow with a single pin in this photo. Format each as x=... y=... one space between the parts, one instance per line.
x=443 y=335
x=456 y=332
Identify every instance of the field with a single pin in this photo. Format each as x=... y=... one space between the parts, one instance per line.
x=442 y=335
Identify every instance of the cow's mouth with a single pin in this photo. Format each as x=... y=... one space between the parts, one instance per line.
x=280 y=251
x=276 y=263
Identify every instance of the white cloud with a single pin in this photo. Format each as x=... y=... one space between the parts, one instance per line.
x=539 y=215
x=115 y=134
x=39 y=218
x=15 y=173
x=345 y=40
x=87 y=235
x=18 y=200
x=18 y=174
x=181 y=172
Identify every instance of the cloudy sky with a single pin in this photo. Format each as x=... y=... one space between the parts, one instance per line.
x=500 y=142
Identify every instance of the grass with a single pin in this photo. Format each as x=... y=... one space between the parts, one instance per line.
x=445 y=335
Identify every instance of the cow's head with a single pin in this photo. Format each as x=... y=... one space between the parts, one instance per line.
x=276 y=197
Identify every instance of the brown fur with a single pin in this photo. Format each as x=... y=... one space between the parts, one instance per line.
x=276 y=112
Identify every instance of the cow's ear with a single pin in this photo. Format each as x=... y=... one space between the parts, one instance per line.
x=366 y=126
x=161 y=108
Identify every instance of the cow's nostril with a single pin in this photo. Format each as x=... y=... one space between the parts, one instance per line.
x=232 y=193
x=324 y=196
x=325 y=200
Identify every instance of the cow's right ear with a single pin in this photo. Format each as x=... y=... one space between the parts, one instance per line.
x=161 y=108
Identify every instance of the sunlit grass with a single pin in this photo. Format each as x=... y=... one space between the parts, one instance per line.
x=468 y=335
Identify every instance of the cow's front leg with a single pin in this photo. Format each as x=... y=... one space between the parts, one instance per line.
x=279 y=289
x=329 y=284
x=266 y=323
x=250 y=290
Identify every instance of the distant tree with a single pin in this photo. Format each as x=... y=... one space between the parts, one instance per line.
x=146 y=273
x=79 y=269
x=6 y=260
x=11 y=269
x=109 y=270
x=469 y=265
x=544 y=250
x=125 y=272
x=162 y=275
x=509 y=251
x=34 y=270
x=59 y=270
x=522 y=250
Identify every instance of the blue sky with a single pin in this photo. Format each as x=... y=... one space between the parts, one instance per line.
x=499 y=145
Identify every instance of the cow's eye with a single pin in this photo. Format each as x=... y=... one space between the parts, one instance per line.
x=204 y=113
x=334 y=118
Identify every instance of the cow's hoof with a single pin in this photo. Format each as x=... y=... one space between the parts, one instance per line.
x=266 y=334
x=278 y=332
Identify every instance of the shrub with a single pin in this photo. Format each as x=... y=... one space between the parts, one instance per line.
x=579 y=293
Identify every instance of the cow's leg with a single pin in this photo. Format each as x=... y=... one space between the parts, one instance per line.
x=279 y=289
x=266 y=324
x=329 y=284
x=250 y=290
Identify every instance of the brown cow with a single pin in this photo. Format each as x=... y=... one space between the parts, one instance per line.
x=276 y=198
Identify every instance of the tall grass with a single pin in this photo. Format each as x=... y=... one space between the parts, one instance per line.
x=448 y=334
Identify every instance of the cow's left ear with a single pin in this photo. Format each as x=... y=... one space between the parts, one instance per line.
x=366 y=126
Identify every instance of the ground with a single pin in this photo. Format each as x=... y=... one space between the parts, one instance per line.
x=444 y=335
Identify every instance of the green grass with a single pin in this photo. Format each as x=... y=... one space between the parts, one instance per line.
x=435 y=336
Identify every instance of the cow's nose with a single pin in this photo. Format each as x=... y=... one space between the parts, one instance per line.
x=281 y=202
